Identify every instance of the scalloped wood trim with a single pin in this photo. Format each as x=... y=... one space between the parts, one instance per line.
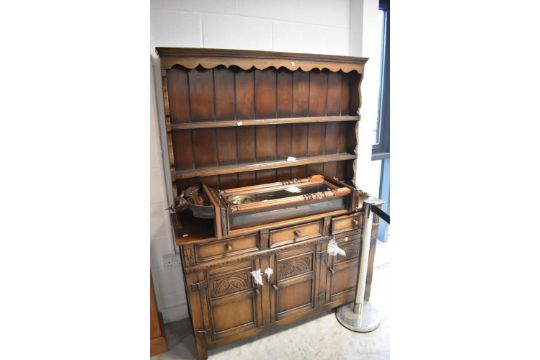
x=246 y=60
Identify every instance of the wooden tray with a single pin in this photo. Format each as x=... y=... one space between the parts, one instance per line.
x=252 y=205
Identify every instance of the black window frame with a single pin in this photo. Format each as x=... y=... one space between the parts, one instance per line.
x=381 y=150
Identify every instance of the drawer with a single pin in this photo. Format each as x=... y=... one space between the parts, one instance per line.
x=296 y=233
x=345 y=223
x=222 y=248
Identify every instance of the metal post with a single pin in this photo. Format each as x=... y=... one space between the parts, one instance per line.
x=361 y=316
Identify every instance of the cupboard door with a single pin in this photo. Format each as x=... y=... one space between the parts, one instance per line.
x=294 y=285
x=234 y=300
x=343 y=271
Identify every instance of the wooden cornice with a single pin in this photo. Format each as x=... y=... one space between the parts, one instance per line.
x=191 y=58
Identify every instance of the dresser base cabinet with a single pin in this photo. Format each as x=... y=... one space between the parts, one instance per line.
x=252 y=125
x=227 y=305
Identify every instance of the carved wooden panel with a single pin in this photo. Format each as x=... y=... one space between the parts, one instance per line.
x=189 y=257
x=229 y=284
x=295 y=266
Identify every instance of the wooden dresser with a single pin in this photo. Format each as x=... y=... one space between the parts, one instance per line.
x=241 y=118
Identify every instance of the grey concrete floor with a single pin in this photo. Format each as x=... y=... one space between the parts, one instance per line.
x=321 y=338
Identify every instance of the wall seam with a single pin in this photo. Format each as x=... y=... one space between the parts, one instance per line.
x=201 y=13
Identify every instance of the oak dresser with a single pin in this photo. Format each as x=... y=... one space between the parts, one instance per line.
x=241 y=119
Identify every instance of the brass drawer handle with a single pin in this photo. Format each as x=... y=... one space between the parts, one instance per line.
x=228 y=247
x=275 y=287
x=297 y=233
x=355 y=222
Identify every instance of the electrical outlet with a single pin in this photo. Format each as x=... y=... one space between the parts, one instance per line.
x=171 y=261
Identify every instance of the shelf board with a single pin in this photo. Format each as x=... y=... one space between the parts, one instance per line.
x=263 y=165
x=258 y=122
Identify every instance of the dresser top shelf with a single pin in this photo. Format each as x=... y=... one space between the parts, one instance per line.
x=261 y=122
x=262 y=165
x=191 y=58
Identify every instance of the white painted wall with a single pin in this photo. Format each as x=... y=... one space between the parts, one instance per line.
x=368 y=173
x=315 y=26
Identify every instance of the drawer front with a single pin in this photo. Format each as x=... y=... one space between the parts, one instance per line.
x=222 y=248
x=346 y=223
x=296 y=233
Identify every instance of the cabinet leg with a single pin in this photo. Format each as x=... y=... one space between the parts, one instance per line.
x=200 y=347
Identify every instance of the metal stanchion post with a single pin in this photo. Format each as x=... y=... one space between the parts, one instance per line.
x=361 y=316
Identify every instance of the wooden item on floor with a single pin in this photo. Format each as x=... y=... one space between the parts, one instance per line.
x=249 y=122
x=158 y=343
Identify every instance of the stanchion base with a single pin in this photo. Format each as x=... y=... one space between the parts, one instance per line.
x=369 y=320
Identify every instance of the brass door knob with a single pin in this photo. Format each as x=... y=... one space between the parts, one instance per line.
x=275 y=287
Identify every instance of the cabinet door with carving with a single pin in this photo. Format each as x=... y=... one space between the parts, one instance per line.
x=233 y=298
x=295 y=283
x=343 y=270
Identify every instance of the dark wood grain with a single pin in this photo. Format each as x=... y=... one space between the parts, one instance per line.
x=345 y=96
x=331 y=146
x=300 y=94
x=232 y=119
x=224 y=93
x=284 y=110
x=333 y=99
x=316 y=138
x=226 y=137
x=201 y=90
x=204 y=148
x=244 y=95
x=266 y=150
x=247 y=59
x=333 y=107
x=284 y=93
x=317 y=93
x=265 y=93
x=318 y=88
x=284 y=150
x=300 y=108
x=263 y=122
x=245 y=109
x=354 y=93
x=178 y=95
x=183 y=153
x=300 y=162
x=299 y=148
x=265 y=106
